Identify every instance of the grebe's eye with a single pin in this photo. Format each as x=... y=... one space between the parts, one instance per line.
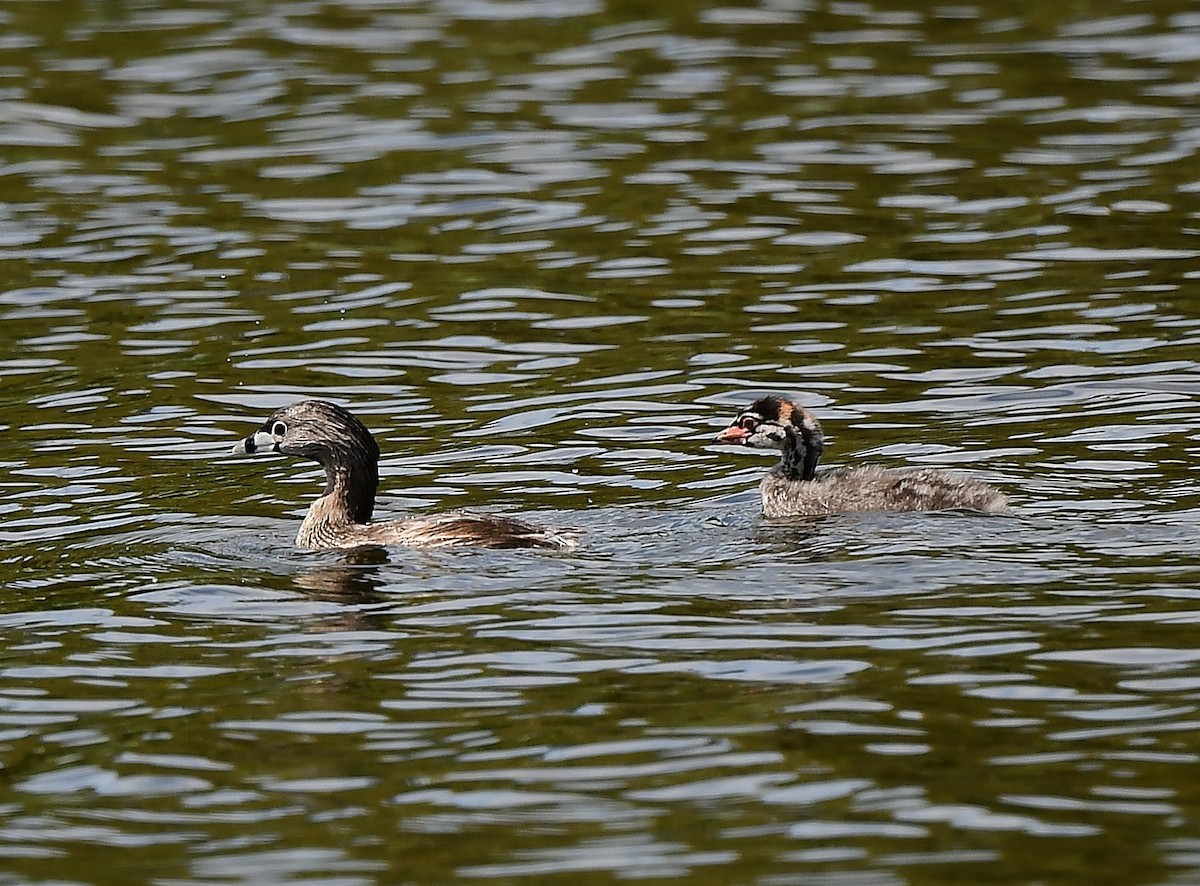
x=748 y=423
x=278 y=429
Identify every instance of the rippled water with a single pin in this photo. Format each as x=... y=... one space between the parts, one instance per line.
x=546 y=250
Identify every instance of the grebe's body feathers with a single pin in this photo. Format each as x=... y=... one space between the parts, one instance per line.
x=341 y=517
x=873 y=488
x=795 y=488
x=321 y=530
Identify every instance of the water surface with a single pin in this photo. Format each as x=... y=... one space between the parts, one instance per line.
x=546 y=251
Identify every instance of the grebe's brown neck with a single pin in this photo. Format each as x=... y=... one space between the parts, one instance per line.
x=801 y=450
x=351 y=480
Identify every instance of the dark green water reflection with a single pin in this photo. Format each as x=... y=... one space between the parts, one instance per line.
x=545 y=250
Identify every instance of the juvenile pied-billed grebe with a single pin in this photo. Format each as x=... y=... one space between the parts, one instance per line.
x=341 y=517
x=794 y=488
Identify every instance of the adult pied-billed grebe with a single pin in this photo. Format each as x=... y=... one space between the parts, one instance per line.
x=794 y=488
x=341 y=517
